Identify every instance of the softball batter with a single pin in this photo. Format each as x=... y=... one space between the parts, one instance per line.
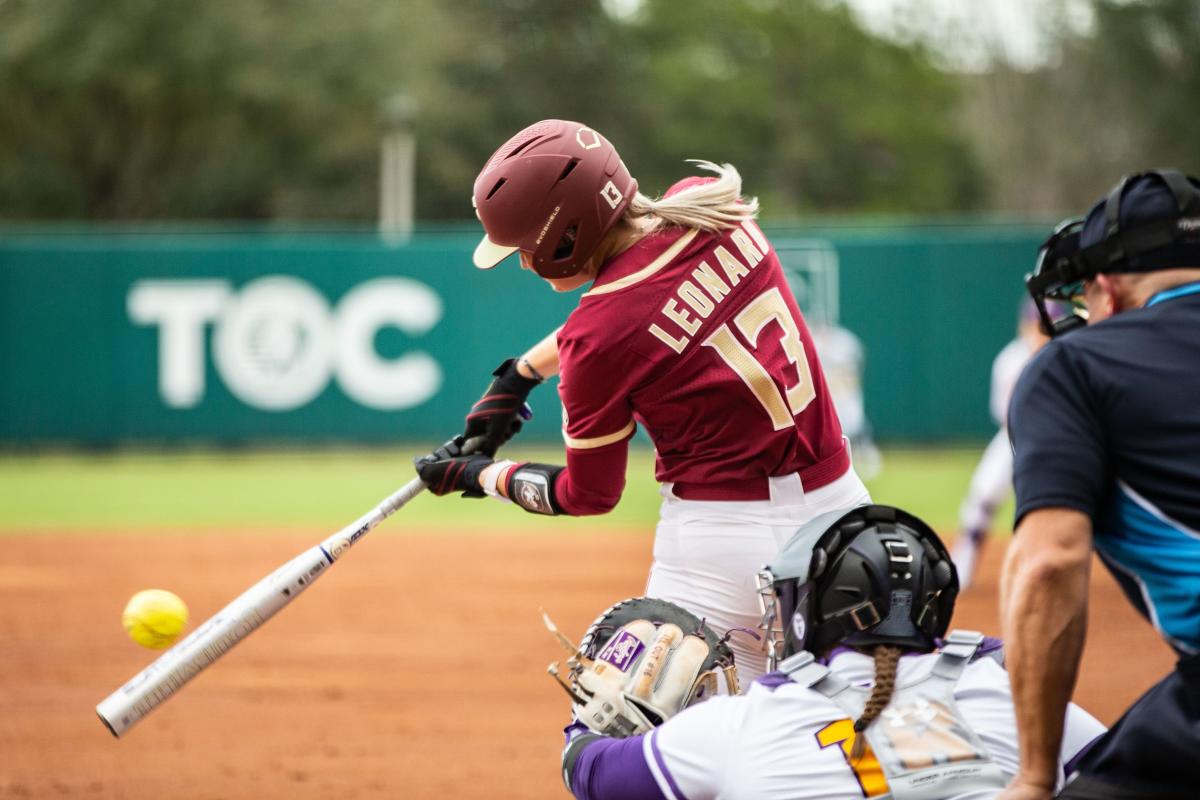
x=688 y=329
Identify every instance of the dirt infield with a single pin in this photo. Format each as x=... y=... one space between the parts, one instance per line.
x=416 y=669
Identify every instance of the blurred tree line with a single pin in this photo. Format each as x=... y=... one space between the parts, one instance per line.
x=271 y=109
x=1122 y=97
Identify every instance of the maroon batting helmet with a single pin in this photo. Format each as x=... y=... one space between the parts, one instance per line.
x=554 y=190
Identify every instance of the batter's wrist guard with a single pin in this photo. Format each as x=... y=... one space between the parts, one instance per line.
x=508 y=378
x=491 y=477
x=531 y=486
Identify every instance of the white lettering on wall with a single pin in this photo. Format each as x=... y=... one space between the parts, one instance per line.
x=277 y=343
x=180 y=309
x=373 y=381
x=274 y=344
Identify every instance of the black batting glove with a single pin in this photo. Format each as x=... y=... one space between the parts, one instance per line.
x=447 y=470
x=498 y=415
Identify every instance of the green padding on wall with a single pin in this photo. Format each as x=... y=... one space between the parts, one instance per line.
x=253 y=337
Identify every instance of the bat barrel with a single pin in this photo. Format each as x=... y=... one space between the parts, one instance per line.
x=121 y=710
x=173 y=669
x=153 y=685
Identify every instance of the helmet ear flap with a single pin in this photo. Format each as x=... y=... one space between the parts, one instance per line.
x=554 y=190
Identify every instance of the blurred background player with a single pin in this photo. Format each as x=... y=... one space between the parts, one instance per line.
x=842 y=359
x=688 y=328
x=1106 y=433
x=992 y=479
x=868 y=700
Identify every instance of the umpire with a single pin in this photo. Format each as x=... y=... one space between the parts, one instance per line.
x=1105 y=424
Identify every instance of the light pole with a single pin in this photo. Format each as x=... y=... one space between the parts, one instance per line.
x=397 y=168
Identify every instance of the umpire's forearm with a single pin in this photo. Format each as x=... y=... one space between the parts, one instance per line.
x=1043 y=606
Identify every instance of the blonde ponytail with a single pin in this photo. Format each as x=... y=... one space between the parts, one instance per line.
x=714 y=206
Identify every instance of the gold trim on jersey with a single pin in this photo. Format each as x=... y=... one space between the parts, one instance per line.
x=654 y=266
x=598 y=441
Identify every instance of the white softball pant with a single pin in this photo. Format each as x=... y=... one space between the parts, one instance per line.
x=990 y=484
x=707 y=553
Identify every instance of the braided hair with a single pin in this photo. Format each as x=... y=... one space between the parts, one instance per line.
x=876 y=579
x=887 y=661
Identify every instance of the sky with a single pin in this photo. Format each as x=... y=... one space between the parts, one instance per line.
x=968 y=34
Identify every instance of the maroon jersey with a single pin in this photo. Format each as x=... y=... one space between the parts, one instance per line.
x=696 y=337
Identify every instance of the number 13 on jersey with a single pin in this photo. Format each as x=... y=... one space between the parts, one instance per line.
x=750 y=321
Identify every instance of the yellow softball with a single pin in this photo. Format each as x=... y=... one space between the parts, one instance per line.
x=154 y=618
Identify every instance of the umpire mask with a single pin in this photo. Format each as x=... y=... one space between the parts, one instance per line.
x=875 y=575
x=1149 y=221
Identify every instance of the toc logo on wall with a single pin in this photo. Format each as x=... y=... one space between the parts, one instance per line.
x=277 y=343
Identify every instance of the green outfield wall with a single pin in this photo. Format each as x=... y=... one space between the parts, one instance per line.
x=113 y=337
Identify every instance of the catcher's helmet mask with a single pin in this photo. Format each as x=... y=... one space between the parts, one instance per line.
x=874 y=575
x=552 y=191
x=1148 y=221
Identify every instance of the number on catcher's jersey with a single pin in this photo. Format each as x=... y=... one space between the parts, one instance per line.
x=866 y=768
x=918 y=735
x=751 y=320
x=924 y=733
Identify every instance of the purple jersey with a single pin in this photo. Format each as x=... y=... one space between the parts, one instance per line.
x=784 y=740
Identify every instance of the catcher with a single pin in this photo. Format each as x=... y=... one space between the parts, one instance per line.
x=872 y=697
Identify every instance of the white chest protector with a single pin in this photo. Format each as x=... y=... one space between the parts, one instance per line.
x=923 y=746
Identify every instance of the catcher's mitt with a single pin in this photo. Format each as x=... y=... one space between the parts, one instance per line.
x=641 y=662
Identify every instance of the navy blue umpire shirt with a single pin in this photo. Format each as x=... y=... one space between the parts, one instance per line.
x=1106 y=420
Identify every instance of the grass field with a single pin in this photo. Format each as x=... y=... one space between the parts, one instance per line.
x=224 y=490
